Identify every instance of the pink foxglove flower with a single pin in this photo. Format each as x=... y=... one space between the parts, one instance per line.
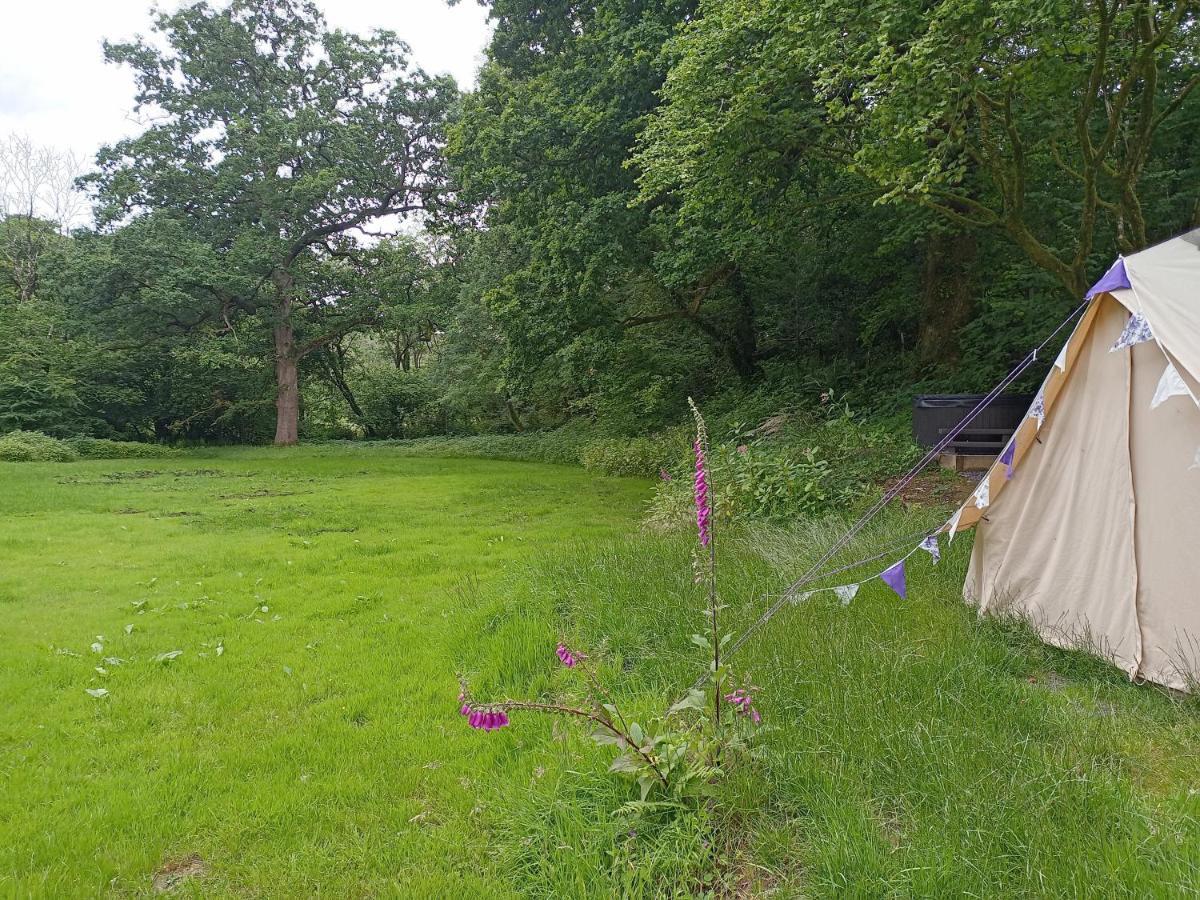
x=743 y=703
x=703 y=505
x=703 y=508
x=486 y=720
x=565 y=656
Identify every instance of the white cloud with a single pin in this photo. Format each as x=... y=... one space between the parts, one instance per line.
x=56 y=88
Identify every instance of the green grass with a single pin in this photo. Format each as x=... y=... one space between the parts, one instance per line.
x=321 y=750
x=909 y=749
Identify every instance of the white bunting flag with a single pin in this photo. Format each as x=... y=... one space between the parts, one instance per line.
x=983 y=494
x=1195 y=461
x=800 y=598
x=1061 y=361
x=1137 y=331
x=930 y=546
x=1170 y=385
x=954 y=523
x=846 y=593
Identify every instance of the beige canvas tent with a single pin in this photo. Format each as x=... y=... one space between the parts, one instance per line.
x=1089 y=524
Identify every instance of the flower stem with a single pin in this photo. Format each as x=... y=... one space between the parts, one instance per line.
x=602 y=721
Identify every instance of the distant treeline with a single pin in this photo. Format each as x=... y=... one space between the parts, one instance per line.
x=641 y=200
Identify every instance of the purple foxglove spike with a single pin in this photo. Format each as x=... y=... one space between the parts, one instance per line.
x=1114 y=279
x=1007 y=458
x=473 y=719
x=466 y=709
x=503 y=719
x=893 y=577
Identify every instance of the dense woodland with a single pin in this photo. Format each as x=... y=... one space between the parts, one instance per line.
x=640 y=201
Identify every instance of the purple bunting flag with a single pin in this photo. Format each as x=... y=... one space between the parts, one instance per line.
x=1115 y=279
x=1007 y=458
x=893 y=577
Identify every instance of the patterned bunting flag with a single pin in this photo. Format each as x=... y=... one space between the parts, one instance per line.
x=893 y=577
x=982 y=494
x=930 y=546
x=800 y=598
x=1038 y=410
x=846 y=593
x=1170 y=385
x=1007 y=458
x=1137 y=331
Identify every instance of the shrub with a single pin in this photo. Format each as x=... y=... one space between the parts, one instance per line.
x=103 y=448
x=644 y=456
x=33 y=446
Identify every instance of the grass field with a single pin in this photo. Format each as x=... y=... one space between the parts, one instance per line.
x=305 y=741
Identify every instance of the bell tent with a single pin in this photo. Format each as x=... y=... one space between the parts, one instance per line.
x=1088 y=524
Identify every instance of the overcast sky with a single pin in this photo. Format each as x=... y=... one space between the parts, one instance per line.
x=56 y=88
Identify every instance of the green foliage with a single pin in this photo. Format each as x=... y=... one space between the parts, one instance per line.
x=745 y=202
x=102 y=448
x=642 y=456
x=396 y=403
x=33 y=446
x=279 y=139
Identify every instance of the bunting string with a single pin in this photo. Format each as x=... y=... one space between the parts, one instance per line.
x=893 y=492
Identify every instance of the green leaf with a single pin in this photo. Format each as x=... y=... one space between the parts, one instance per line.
x=695 y=699
x=627 y=763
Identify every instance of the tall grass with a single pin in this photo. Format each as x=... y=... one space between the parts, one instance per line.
x=912 y=750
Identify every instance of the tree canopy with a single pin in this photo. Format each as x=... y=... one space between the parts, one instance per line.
x=638 y=202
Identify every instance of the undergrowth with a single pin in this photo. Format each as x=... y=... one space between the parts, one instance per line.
x=33 y=446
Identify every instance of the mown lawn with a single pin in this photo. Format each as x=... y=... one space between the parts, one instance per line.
x=320 y=751
x=908 y=750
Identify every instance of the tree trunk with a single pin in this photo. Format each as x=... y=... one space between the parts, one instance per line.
x=947 y=295
x=743 y=342
x=287 y=371
x=737 y=337
x=335 y=364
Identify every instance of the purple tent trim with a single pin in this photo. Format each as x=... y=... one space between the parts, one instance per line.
x=893 y=577
x=1114 y=279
